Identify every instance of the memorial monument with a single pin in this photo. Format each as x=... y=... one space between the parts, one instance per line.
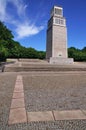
x=56 y=46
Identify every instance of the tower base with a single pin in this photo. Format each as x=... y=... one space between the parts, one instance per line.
x=61 y=61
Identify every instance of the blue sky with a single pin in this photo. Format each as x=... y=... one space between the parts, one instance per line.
x=27 y=19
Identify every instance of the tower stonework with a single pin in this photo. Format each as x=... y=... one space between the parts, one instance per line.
x=56 y=47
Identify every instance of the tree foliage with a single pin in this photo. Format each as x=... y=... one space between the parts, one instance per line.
x=3 y=53
x=77 y=54
x=12 y=49
x=5 y=33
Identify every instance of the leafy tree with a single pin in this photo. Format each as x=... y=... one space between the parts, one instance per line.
x=5 y=33
x=77 y=54
x=41 y=55
x=3 y=53
x=84 y=49
x=6 y=42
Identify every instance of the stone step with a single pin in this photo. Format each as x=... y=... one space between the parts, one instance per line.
x=31 y=60
x=45 y=68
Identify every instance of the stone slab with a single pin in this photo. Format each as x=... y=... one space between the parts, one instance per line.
x=18 y=95
x=18 y=89
x=40 y=116
x=17 y=116
x=84 y=112
x=19 y=81
x=69 y=115
x=18 y=103
x=19 y=78
x=19 y=86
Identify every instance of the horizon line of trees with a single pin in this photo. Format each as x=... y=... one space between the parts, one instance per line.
x=13 y=49
x=77 y=54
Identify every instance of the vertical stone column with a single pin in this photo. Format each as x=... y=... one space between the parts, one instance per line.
x=56 y=46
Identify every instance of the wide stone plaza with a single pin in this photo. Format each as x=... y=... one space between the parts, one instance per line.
x=35 y=95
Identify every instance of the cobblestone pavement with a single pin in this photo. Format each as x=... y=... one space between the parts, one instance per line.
x=7 y=82
x=45 y=92
x=55 y=92
x=56 y=125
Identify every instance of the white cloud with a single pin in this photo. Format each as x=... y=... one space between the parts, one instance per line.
x=26 y=30
x=21 y=7
x=2 y=9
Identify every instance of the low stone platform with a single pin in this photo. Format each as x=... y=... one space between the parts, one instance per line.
x=46 y=100
x=39 y=65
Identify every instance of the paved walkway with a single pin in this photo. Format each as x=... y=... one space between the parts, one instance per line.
x=18 y=111
x=43 y=101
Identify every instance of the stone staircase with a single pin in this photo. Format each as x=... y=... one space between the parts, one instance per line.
x=45 y=67
x=28 y=65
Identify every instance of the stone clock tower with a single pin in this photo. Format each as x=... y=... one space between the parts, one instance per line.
x=56 y=48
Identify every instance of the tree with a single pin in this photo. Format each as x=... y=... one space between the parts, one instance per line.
x=84 y=49
x=77 y=54
x=5 y=33
x=31 y=53
x=71 y=52
x=41 y=55
x=3 y=53
x=6 y=41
